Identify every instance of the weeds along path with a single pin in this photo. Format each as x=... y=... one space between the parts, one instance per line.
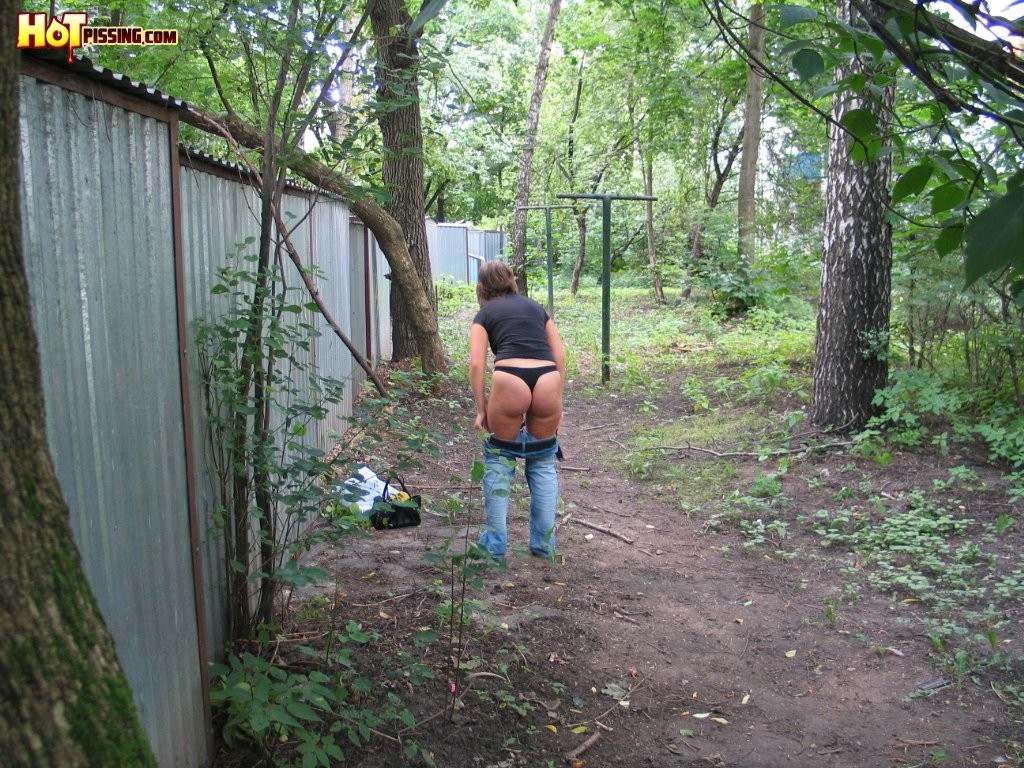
x=676 y=628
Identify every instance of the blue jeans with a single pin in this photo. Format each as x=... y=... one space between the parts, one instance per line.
x=499 y=467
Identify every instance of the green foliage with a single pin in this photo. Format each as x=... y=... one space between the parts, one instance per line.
x=281 y=712
x=734 y=286
x=766 y=486
x=263 y=401
x=921 y=408
x=957 y=183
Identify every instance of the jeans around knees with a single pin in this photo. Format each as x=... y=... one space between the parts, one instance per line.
x=542 y=478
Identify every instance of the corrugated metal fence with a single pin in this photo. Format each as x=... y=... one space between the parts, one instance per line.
x=123 y=238
x=457 y=249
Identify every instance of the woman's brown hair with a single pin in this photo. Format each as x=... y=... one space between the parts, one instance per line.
x=495 y=279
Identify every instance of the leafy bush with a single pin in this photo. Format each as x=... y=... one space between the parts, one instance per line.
x=279 y=711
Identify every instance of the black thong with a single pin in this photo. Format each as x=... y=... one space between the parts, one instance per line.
x=528 y=375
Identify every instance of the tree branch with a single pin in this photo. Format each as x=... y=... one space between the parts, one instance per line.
x=387 y=231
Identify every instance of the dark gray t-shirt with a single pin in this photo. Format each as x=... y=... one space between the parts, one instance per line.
x=516 y=327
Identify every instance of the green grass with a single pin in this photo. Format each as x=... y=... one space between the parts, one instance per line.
x=733 y=429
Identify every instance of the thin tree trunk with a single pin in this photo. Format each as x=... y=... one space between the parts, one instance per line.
x=646 y=162
x=851 y=358
x=581 y=251
x=722 y=171
x=518 y=260
x=64 y=700
x=747 y=209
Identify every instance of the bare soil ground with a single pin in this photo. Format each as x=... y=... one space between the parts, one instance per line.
x=657 y=638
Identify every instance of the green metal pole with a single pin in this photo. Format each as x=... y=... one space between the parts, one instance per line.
x=606 y=273
x=550 y=247
x=551 y=263
x=606 y=289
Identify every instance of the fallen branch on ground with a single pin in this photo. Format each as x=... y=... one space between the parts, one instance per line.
x=598 y=426
x=755 y=454
x=604 y=530
x=570 y=756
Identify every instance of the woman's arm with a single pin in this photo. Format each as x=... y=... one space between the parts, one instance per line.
x=477 y=367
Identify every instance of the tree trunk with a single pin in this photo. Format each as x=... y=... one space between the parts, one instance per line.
x=64 y=700
x=397 y=73
x=851 y=358
x=518 y=260
x=646 y=162
x=581 y=251
x=385 y=228
x=747 y=209
x=722 y=169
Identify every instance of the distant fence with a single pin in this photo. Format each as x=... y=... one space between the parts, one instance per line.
x=123 y=235
x=457 y=249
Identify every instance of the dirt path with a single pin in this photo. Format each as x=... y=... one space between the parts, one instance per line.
x=666 y=640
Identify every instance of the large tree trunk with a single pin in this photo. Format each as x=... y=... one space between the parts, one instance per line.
x=518 y=260
x=385 y=228
x=398 y=87
x=851 y=358
x=747 y=209
x=64 y=700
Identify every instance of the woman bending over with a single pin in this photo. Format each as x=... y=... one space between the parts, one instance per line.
x=523 y=410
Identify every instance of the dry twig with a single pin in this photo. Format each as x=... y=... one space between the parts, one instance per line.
x=604 y=530
x=756 y=454
x=570 y=756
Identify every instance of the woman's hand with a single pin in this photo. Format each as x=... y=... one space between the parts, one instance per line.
x=481 y=421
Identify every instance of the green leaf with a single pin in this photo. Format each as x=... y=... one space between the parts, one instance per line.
x=795 y=14
x=873 y=45
x=478 y=471
x=298 y=575
x=949 y=239
x=994 y=237
x=808 y=63
x=862 y=123
x=424 y=637
x=793 y=46
x=947 y=197
x=912 y=182
x=302 y=710
x=283 y=717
